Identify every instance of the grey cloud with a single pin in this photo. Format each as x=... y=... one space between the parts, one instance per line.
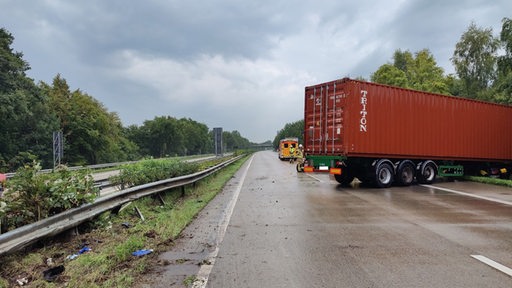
x=184 y=30
x=238 y=49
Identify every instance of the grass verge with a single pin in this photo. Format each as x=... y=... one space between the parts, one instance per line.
x=489 y=180
x=113 y=238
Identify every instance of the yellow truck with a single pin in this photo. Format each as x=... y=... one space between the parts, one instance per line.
x=286 y=146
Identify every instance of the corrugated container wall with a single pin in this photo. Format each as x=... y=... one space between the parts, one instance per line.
x=362 y=119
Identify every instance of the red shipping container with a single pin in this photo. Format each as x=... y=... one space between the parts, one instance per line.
x=360 y=119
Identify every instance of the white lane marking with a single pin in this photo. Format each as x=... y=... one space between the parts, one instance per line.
x=493 y=264
x=317 y=179
x=205 y=270
x=470 y=195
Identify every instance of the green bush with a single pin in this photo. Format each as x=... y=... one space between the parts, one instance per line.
x=31 y=196
x=152 y=170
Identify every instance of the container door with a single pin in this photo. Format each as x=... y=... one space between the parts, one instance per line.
x=314 y=119
x=334 y=111
x=324 y=119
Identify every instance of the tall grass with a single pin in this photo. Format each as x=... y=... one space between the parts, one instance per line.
x=489 y=180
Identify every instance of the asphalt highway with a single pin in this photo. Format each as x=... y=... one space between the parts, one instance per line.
x=274 y=227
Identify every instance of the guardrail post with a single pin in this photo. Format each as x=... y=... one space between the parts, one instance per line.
x=160 y=198
x=140 y=213
x=3 y=226
x=183 y=191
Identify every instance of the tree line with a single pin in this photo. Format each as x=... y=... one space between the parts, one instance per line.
x=483 y=70
x=30 y=113
x=480 y=71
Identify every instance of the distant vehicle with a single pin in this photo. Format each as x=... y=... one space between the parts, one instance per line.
x=384 y=135
x=285 y=145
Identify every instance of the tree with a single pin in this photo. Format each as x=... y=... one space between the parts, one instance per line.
x=138 y=136
x=12 y=65
x=294 y=129
x=195 y=136
x=475 y=59
x=91 y=134
x=402 y=60
x=163 y=136
x=390 y=75
x=419 y=72
x=167 y=136
x=234 y=141
x=26 y=120
x=505 y=61
x=424 y=74
x=503 y=85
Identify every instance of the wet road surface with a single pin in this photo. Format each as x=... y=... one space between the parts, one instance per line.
x=303 y=230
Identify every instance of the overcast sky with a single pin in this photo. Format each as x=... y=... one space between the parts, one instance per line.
x=239 y=65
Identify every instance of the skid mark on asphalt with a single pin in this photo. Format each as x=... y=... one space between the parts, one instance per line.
x=204 y=272
x=469 y=195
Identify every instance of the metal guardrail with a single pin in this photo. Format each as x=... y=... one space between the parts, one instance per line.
x=96 y=166
x=104 y=165
x=21 y=237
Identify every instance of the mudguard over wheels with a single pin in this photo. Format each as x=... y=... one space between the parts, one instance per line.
x=384 y=174
x=405 y=173
x=427 y=172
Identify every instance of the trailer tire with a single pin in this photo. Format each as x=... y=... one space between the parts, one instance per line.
x=405 y=173
x=427 y=172
x=384 y=174
x=345 y=178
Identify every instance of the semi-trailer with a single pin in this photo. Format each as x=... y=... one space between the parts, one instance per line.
x=383 y=134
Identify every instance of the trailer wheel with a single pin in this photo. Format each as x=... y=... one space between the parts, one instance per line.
x=345 y=178
x=427 y=172
x=384 y=173
x=405 y=173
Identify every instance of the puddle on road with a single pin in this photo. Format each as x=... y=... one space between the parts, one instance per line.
x=177 y=266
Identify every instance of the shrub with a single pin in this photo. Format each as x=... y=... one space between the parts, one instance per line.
x=31 y=196
x=152 y=170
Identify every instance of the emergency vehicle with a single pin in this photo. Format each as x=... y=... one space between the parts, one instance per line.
x=286 y=145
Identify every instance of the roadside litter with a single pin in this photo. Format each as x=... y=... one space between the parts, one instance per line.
x=51 y=274
x=142 y=252
x=22 y=281
x=80 y=252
